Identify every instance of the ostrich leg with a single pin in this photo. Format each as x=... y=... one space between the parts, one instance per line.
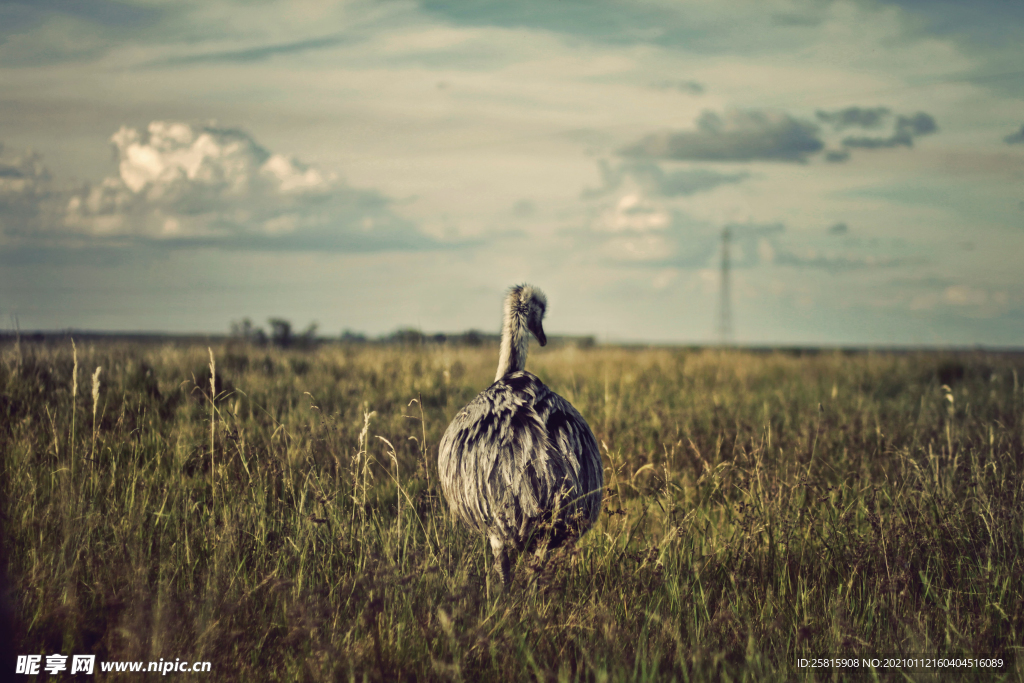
x=501 y=562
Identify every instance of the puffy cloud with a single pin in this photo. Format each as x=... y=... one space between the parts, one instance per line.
x=633 y=213
x=179 y=180
x=629 y=227
x=1015 y=138
x=193 y=185
x=636 y=218
x=746 y=135
x=642 y=226
x=633 y=229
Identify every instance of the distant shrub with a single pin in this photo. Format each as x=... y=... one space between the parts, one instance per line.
x=407 y=336
x=246 y=332
x=280 y=332
x=351 y=337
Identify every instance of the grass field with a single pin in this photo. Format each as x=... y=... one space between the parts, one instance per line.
x=759 y=508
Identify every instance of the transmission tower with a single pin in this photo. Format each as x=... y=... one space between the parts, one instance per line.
x=725 y=300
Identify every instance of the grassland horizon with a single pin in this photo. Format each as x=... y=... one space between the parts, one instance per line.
x=276 y=511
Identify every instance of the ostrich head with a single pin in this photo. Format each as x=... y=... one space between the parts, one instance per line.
x=534 y=304
x=525 y=306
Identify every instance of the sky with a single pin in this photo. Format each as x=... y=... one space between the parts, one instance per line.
x=370 y=166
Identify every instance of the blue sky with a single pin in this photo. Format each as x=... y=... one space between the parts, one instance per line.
x=375 y=165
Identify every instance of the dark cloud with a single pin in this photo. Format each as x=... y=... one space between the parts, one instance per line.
x=734 y=136
x=839 y=229
x=655 y=181
x=897 y=139
x=918 y=124
x=982 y=22
x=860 y=117
x=1015 y=138
x=905 y=130
x=837 y=156
x=679 y=183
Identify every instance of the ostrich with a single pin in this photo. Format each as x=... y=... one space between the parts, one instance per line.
x=519 y=463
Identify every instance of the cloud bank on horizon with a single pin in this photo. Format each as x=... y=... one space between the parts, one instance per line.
x=865 y=158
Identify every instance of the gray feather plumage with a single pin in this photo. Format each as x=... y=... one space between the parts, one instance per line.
x=519 y=463
x=518 y=455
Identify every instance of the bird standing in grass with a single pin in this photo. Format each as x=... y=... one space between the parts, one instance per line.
x=519 y=463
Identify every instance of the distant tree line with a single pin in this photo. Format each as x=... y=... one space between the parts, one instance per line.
x=282 y=336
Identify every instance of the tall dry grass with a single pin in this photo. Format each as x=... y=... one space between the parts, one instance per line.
x=759 y=508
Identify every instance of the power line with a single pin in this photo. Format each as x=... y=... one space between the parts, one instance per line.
x=725 y=295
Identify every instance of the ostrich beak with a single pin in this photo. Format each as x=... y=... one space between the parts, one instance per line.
x=538 y=332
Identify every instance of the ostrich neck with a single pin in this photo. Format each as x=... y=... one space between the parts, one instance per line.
x=515 y=342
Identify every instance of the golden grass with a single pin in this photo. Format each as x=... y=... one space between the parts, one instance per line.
x=759 y=508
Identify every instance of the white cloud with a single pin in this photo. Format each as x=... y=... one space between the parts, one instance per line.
x=195 y=185
x=962 y=295
x=176 y=179
x=633 y=213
